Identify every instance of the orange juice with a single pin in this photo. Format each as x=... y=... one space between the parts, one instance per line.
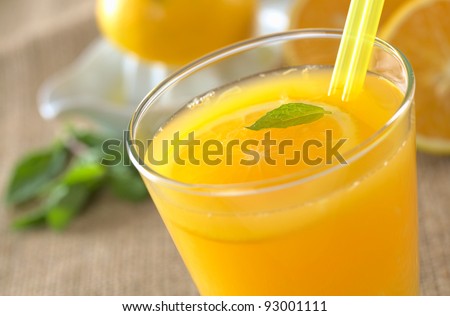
x=338 y=217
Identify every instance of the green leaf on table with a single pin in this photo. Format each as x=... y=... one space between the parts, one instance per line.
x=39 y=217
x=65 y=177
x=79 y=183
x=126 y=183
x=84 y=171
x=36 y=218
x=68 y=196
x=88 y=138
x=60 y=214
x=35 y=172
x=290 y=114
x=61 y=206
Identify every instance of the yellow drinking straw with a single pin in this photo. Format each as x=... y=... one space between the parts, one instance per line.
x=356 y=47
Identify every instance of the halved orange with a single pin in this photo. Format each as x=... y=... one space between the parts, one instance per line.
x=331 y=14
x=421 y=30
x=324 y=14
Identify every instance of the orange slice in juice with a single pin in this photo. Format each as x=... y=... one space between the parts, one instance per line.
x=247 y=155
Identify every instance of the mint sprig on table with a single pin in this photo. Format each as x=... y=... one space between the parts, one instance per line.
x=290 y=114
x=63 y=178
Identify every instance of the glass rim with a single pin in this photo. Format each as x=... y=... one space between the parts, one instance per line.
x=276 y=183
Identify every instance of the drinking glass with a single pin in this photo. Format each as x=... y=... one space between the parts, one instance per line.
x=348 y=229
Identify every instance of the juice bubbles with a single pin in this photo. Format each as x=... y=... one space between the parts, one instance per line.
x=336 y=217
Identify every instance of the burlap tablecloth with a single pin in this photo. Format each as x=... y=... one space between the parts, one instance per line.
x=121 y=248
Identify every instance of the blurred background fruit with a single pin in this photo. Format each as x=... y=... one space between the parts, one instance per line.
x=421 y=30
x=175 y=31
x=331 y=14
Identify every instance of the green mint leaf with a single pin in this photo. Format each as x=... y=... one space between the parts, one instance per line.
x=63 y=203
x=39 y=216
x=290 y=114
x=126 y=183
x=66 y=177
x=71 y=202
x=68 y=195
x=35 y=172
x=78 y=184
x=85 y=171
x=33 y=219
x=88 y=138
